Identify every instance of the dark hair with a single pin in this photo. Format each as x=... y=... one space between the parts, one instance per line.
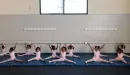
x=70 y=47
x=119 y=51
x=53 y=47
x=11 y=49
x=38 y=49
x=63 y=48
x=123 y=46
x=97 y=47
x=3 y=47
x=28 y=46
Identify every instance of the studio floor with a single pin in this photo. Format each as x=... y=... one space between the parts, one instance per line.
x=79 y=62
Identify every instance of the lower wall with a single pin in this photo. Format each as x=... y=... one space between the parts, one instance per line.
x=70 y=28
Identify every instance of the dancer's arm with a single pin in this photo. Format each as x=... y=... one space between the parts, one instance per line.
x=120 y=45
x=90 y=47
x=41 y=47
x=60 y=47
x=15 y=46
x=25 y=46
x=49 y=46
x=34 y=46
x=102 y=46
x=103 y=55
x=57 y=46
x=66 y=46
x=126 y=55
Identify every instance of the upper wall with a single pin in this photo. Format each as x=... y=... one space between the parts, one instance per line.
x=94 y=7
x=109 y=7
x=19 y=6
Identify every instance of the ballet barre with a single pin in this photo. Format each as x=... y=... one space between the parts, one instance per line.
x=42 y=43
x=63 y=43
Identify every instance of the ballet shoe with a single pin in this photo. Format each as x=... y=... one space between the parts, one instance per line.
x=74 y=62
x=128 y=62
x=45 y=60
x=50 y=61
x=26 y=61
x=78 y=57
x=85 y=63
x=22 y=61
x=111 y=62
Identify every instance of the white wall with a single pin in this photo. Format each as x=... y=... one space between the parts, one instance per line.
x=94 y=7
x=70 y=28
x=19 y=6
x=109 y=7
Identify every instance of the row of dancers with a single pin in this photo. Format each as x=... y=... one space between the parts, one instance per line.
x=63 y=53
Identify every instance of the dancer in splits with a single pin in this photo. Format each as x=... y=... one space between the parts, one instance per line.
x=3 y=50
x=97 y=55
x=12 y=55
x=120 y=54
x=63 y=55
x=71 y=52
x=38 y=55
x=28 y=47
x=53 y=51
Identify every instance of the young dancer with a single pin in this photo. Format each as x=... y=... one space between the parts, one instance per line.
x=28 y=47
x=120 y=55
x=38 y=55
x=97 y=55
x=53 y=50
x=71 y=52
x=3 y=50
x=12 y=55
x=63 y=55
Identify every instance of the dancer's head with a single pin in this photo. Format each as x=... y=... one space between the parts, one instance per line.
x=70 y=46
x=97 y=48
x=53 y=47
x=3 y=47
x=28 y=46
x=11 y=49
x=38 y=49
x=63 y=49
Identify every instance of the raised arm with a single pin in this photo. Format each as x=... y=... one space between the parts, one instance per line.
x=49 y=46
x=34 y=46
x=73 y=47
x=31 y=45
x=60 y=46
x=25 y=45
x=102 y=46
x=65 y=46
x=57 y=46
x=121 y=44
x=41 y=47
x=90 y=47
x=15 y=46
x=1 y=44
